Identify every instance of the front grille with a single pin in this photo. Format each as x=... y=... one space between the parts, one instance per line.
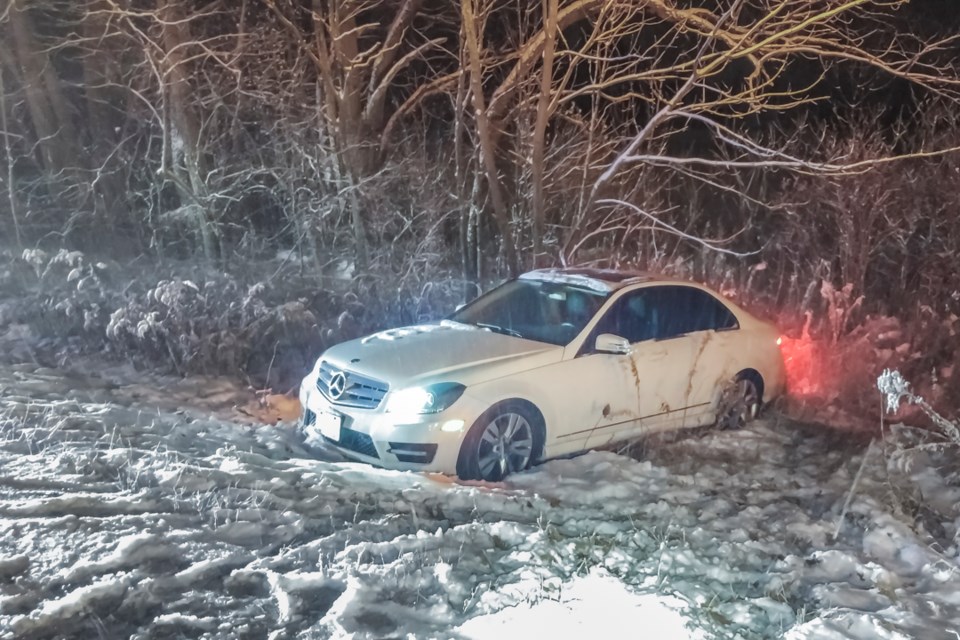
x=358 y=391
x=355 y=441
x=309 y=417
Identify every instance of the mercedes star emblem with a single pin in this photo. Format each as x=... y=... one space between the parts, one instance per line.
x=338 y=384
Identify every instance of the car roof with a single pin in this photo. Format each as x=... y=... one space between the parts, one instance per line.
x=597 y=279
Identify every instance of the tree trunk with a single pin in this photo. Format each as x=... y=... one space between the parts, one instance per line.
x=176 y=38
x=472 y=30
x=467 y=251
x=343 y=112
x=97 y=61
x=48 y=110
x=540 y=127
x=11 y=187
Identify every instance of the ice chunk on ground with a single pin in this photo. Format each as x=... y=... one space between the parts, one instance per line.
x=596 y=605
x=13 y=566
x=80 y=602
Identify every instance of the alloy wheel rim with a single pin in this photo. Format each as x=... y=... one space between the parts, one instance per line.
x=505 y=446
x=745 y=406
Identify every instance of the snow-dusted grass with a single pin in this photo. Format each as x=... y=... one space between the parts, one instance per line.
x=120 y=521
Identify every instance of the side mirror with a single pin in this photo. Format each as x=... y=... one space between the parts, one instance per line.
x=609 y=343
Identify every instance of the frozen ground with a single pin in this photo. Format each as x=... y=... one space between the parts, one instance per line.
x=118 y=519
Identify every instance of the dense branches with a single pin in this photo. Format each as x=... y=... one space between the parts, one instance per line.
x=616 y=131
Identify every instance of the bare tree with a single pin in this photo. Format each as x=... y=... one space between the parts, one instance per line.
x=359 y=65
x=48 y=108
x=8 y=156
x=544 y=111
x=473 y=27
x=549 y=130
x=685 y=68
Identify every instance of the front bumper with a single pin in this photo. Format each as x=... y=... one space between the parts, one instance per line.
x=423 y=442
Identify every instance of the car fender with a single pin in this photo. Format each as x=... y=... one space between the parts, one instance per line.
x=531 y=386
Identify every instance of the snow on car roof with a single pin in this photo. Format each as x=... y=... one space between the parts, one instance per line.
x=605 y=280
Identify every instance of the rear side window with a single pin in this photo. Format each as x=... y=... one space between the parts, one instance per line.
x=661 y=313
x=685 y=310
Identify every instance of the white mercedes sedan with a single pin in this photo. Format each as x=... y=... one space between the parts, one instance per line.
x=551 y=363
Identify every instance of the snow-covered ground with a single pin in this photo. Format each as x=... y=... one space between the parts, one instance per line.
x=118 y=519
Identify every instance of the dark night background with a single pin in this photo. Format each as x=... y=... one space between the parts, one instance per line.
x=314 y=185
x=198 y=197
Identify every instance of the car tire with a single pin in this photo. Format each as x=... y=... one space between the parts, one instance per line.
x=740 y=401
x=504 y=440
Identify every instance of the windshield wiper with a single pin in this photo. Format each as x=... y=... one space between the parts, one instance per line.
x=499 y=329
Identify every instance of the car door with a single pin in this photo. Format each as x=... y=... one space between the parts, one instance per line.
x=701 y=333
x=593 y=396
x=606 y=397
x=665 y=356
x=717 y=349
x=586 y=392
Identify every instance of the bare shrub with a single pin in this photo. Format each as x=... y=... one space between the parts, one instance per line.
x=192 y=320
x=401 y=155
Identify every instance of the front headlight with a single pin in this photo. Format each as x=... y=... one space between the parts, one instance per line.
x=432 y=398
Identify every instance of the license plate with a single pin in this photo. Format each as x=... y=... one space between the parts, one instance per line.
x=329 y=425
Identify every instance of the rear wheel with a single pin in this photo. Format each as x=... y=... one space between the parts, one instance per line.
x=740 y=403
x=502 y=441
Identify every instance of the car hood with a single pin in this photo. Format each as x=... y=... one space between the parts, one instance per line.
x=446 y=351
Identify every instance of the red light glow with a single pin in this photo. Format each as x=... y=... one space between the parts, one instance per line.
x=801 y=360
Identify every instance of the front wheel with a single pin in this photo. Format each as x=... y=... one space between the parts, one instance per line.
x=499 y=443
x=739 y=404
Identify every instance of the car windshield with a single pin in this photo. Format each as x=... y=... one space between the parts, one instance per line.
x=553 y=312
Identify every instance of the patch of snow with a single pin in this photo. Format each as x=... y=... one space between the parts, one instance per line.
x=124 y=522
x=13 y=566
x=186 y=621
x=77 y=603
x=391 y=335
x=561 y=277
x=595 y=605
x=130 y=551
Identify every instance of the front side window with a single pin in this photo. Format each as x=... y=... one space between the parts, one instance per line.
x=553 y=312
x=635 y=317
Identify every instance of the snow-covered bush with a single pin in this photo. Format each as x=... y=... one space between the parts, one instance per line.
x=896 y=390
x=64 y=294
x=920 y=461
x=841 y=305
x=190 y=319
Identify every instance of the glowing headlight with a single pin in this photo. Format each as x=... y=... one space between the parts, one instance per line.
x=433 y=398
